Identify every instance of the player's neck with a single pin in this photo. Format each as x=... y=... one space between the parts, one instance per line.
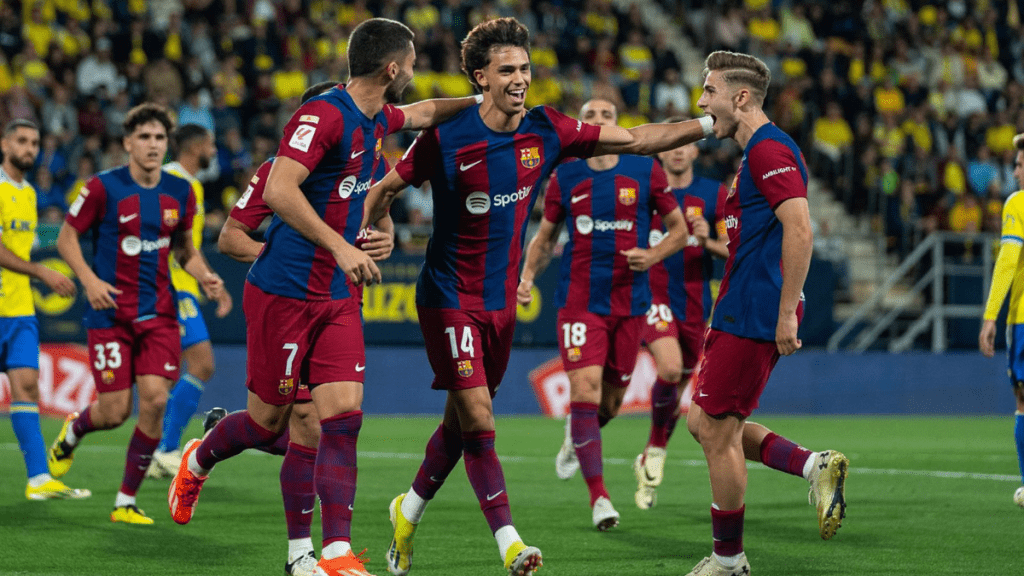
x=143 y=177
x=367 y=95
x=680 y=180
x=498 y=120
x=601 y=163
x=12 y=172
x=748 y=124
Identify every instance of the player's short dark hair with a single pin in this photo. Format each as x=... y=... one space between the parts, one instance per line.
x=1018 y=141
x=317 y=89
x=375 y=43
x=145 y=113
x=487 y=36
x=185 y=134
x=19 y=123
x=742 y=69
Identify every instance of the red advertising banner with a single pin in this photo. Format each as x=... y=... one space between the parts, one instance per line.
x=65 y=381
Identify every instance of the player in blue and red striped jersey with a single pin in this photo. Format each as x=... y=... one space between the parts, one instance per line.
x=757 y=314
x=485 y=166
x=137 y=215
x=609 y=203
x=681 y=305
x=306 y=281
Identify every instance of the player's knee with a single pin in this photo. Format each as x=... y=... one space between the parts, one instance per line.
x=202 y=370
x=304 y=426
x=671 y=373
x=693 y=425
x=25 y=391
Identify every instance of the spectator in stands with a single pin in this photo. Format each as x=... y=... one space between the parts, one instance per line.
x=671 y=97
x=832 y=139
x=97 y=71
x=192 y=111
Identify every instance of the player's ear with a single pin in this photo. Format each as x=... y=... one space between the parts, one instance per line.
x=392 y=70
x=481 y=79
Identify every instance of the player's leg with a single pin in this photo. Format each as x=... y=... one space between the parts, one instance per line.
x=649 y=465
x=585 y=427
x=1018 y=433
x=584 y=346
x=297 y=488
x=1015 y=357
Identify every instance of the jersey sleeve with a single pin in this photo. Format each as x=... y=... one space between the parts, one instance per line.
x=251 y=209
x=421 y=159
x=777 y=173
x=186 y=224
x=577 y=138
x=88 y=208
x=718 y=226
x=554 y=210
x=395 y=118
x=1013 y=226
x=663 y=201
x=198 y=220
x=315 y=128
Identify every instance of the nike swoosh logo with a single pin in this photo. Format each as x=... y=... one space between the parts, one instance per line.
x=582 y=444
x=648 y=475
x=701 y=395
x=576 y=199
x=432 y=479
x=464 y=167
x=170 y=367
x=495 y=495
x=310 y=511
x=360 y=368
x=127 y=218
x=350 y=507
x=357 y=153
x=626 y=377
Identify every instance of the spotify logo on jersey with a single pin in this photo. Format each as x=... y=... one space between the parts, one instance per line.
x=478 y=203
x=348 y=187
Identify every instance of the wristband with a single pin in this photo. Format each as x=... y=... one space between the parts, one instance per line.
x=706 y=122
x=479 y=98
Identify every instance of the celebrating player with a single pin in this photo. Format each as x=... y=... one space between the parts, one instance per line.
x=194 y=147
x=485 y=165
x=19 y=329
x=769 y=231
x=680 y=306
x=137 y=215
x=306 y=281
x=608 y=202
x=1006 y=278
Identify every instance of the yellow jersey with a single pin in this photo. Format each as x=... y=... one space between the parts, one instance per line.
x=17 y=233
x=183 y=281
x=1009 y=269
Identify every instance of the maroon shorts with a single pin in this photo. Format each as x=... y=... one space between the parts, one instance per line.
x=661 y=323
x=467 y=348
x=117 y=355
x=734 y=373
x=291 y=341
x=587 y=339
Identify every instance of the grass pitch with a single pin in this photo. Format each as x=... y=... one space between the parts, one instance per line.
x=926 y=496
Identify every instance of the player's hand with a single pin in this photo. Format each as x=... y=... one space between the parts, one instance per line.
x=101 y=296
x=213 y=287
x=987 y=338
x=357 y=265
x=57 y=282
x=378 y=244
x=639 y=259
x=524 y=294
x=699 y=228
x=785 y=334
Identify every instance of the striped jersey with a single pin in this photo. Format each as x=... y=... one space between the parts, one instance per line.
x=133 y=229
x=183 y=281
x=683 y=280
x=484 y=185
x=606 y=212
x=17 y=233
x=772 y=171
x=341 y=148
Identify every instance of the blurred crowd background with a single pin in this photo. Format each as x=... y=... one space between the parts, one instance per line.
x=905 y=110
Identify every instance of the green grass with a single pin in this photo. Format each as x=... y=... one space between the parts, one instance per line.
x=903 y=517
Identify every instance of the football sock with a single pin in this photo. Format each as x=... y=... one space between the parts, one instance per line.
x=506 y=536
x=140 y=452
x=781 y=454
x=336 y=549
x=25 y=421
x=79 y=427
x=297 y=490
x=335 y=478
x=487 y=478
x=279 y=447
x=413 y=506
x=299 y=547
x=586 y=439
x=236 y=432
x=181 y=406
x=727 y=530
x=664 y=403
x=123 y=499
x=1018 y=434
x=444 y=449
x=39 y=479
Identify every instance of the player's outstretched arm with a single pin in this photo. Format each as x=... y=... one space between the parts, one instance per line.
x=381 y=195
x=651 y=138
x=57 y=282
x=100 y=294
x=641 y=259
x=234 y=240
x=537 y=258
x=380 y=241
x=428 y=113
x=797 y=245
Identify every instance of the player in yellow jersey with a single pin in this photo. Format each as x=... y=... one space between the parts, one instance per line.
x=19 y=330
x=194 y=150
x=1008 y=276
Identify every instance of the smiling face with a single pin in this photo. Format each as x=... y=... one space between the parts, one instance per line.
x=506 y=78
x=147 y=145
x=718 y=101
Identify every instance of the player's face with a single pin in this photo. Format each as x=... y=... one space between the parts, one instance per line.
x=599 y=113
x=21 y=146
x=717 y=101
x=394 y=91
x=679 y=160
x=506 y=78
x=147 y=145
x=207 y=151
x=1018 y=169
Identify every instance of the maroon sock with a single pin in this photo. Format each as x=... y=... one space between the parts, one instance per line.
x=727 y=530
x=444 y=449
x=487 y=478
x=235 y=433
x=297 y=489
x=781 y=454
x=279 y=447
x=335 y=475
x=586 y=439
x=664 y=404
x=140 y=452
x=82 y=425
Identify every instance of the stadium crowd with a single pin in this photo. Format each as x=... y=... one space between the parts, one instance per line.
x=905 y=109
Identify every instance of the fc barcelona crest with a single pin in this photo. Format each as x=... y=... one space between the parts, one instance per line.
x=627 y=196
x=465 y=368
x=661 y=326
x=530 y=157
x=108 y=377
x=694 y=211
x=286 y=385
x=575 y=354
x=380 y=144
x=170 y=216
